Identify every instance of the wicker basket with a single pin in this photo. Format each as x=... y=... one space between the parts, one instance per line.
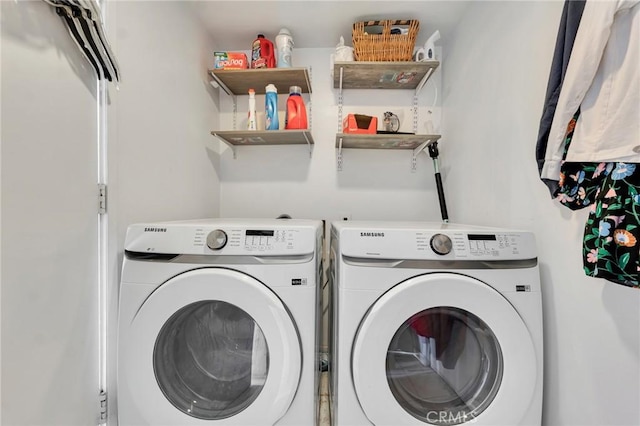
x=385 y=46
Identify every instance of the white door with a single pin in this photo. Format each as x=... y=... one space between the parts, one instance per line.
x=443 y=349
x=212 y=346
x=50 y=373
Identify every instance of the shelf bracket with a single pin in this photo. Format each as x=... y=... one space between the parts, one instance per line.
x=306 y=138
x=417 y=151
x=223 y=140
x=219 y=82
x=340 y=155
x=423 y=81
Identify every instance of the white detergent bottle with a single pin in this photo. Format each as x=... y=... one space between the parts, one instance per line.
x=251 y=121
x=284 y=45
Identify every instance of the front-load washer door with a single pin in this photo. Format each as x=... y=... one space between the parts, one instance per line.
x=443 y=349
x=212 y=346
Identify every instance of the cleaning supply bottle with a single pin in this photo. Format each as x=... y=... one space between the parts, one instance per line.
x=271 y=108
x=251 y=121
x=284 y=44
x=428 y=52
x=262 y=53
x=296 y=116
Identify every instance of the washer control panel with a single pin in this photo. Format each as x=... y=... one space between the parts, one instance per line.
x=282 y=238
x=250 y=241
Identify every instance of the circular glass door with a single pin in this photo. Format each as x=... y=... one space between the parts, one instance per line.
x=210 y=345
x=443 y=349
x=444 y=366
x=211 y=360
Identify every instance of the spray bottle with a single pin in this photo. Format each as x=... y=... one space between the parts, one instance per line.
x=251 y=122
x=428 y=52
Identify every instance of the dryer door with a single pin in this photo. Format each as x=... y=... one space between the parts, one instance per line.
x=213 y=346
x=443 y=349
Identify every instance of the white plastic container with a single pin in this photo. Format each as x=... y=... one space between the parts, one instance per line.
x=284 y=45
x=252 y=123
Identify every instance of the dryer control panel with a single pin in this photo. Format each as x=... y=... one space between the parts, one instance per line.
x=445 y=242
x=487 y=245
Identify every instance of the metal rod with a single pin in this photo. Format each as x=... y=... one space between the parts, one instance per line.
x=433 y=153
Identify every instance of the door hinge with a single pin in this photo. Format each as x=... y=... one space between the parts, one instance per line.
x=102 y=198
x=103 y=407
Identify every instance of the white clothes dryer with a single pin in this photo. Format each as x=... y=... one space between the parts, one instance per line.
x=218 y=323
x=435 y=324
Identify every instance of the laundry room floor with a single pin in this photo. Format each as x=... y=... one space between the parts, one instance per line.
x=325 y=413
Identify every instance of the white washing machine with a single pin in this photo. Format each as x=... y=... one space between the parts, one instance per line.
x=218 y=323
x=435 y=324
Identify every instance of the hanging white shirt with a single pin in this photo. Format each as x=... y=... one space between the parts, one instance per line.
x=603 y=80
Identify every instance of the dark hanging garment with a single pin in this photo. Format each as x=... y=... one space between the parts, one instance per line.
x=569 y=22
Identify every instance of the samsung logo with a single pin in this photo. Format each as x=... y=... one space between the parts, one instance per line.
x=372 y=234
x=155 y=229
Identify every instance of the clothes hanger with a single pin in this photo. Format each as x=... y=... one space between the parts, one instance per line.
x=84 y=16
x=85 y=26
x=93 y=13
x=66 y=13
x=85 y=30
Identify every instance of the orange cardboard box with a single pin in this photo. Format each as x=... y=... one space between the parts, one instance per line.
x=230 y=61
x=359 y=123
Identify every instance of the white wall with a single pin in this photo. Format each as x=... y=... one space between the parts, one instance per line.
x=162 y=115
x=160 y=121
x=267 y=181
x=49 y=222
x=495 y=76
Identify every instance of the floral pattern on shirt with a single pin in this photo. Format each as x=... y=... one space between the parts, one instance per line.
x=611 y=190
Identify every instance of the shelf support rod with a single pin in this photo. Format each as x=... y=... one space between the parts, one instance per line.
x=235 y=112
x=424 y=80
x=415 y=114
x=340 y=155
x=340 y=101
x=223 y=140
x=433 y=153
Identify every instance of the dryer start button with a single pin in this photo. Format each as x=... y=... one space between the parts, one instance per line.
x=216 y=239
